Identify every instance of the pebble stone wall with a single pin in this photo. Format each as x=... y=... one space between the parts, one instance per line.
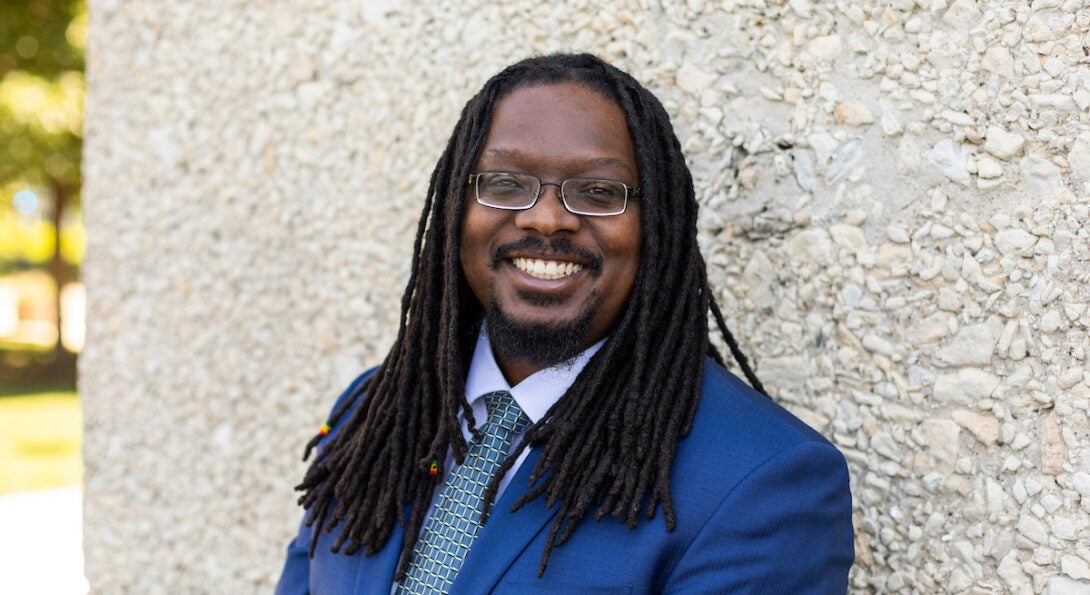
x=895 y=203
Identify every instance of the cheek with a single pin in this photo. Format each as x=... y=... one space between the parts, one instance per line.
x=632 y=247
x=470 y=233
x=625 y=243
x=623 y=249
x=474 y=250
x=628 y=275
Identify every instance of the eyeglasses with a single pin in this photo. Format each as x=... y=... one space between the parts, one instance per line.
x=582 y=196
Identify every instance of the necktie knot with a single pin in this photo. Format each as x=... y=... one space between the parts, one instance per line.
x=504 y=412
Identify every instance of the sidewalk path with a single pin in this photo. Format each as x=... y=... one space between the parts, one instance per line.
x=41 y=543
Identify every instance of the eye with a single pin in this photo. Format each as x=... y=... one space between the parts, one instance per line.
x=596 y=193
x=503 y=182
x=600 y=189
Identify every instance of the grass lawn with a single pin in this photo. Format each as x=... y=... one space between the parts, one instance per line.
x=41 y=429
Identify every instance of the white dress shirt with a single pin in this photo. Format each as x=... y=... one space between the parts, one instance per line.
x=535 y=394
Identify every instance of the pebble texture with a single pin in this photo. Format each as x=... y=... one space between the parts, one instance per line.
x=895 y=202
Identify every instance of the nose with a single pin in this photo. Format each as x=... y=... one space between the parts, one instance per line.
x=548 y=216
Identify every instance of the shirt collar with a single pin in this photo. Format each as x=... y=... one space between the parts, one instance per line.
x=537 y=392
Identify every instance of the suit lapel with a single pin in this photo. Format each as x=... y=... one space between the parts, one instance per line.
x=376 y=573
x=505 y=536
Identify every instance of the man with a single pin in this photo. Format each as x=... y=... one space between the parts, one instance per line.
x=553 y=364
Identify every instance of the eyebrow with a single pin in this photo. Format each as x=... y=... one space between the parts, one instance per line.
x=516 y=155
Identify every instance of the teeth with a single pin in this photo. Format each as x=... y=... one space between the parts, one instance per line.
x=547 y=269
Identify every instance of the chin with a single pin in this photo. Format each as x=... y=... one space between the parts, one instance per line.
x=545 y=342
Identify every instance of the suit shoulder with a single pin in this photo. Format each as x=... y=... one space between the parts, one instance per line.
x=353 y=388
x=733 y=413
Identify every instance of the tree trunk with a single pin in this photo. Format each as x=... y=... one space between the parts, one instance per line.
x=63 y=366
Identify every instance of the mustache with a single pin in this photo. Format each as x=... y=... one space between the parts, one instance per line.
x=558 y=249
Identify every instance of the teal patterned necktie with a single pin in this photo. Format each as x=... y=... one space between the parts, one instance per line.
x=455 y=520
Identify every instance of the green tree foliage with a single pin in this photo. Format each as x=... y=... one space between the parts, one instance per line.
x=41 y=120
x=41 y=93
x=36 y=37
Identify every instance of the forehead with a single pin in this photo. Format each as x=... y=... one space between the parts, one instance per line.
x=560 y=126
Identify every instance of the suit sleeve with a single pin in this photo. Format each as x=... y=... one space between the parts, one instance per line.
x=295 y=577
x=786 y=528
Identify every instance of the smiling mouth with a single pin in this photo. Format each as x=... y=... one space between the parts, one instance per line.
x=546 y=269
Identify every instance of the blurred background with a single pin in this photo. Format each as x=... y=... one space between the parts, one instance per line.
x=41 y=299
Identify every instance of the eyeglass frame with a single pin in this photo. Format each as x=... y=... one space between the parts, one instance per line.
x=629 y=192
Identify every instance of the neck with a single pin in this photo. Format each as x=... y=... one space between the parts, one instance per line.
x=515 y=370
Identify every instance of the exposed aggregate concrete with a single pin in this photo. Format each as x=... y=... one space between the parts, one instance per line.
x=895 y=202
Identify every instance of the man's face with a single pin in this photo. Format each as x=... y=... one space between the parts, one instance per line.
x=554 y=132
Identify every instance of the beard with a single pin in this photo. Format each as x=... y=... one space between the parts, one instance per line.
x=545 y=345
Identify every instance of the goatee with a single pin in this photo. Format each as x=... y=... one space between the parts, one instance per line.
x=545 y=345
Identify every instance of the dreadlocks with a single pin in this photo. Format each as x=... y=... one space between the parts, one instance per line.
x=609 y=443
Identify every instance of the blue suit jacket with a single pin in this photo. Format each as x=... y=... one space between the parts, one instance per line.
x=762 y=506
